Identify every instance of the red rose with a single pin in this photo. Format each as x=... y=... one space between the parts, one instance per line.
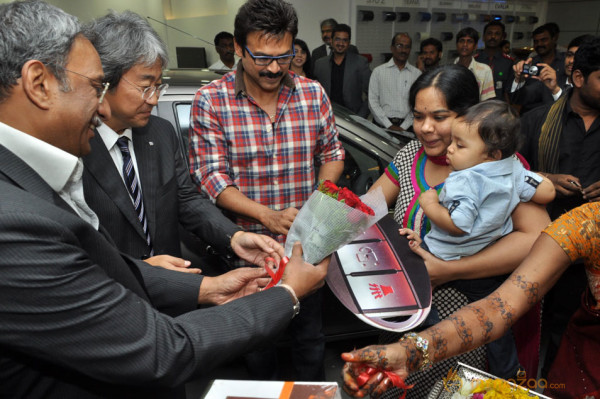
x=328 y=188
x=344 y=195
x=348 y=197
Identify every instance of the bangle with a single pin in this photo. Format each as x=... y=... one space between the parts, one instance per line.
x=294 y=297
x=422 y=346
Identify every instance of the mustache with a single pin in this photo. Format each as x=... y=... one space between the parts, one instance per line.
x=270 y=75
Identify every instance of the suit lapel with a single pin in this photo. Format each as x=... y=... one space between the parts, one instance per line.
x=145 y=153
x=101 y=167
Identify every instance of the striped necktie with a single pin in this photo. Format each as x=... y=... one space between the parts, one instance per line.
x=133 y=187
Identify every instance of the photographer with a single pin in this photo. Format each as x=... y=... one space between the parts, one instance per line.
x=530 y=90
x=535 y=85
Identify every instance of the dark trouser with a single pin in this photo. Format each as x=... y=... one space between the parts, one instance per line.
x=502 y=353
x=308 y=346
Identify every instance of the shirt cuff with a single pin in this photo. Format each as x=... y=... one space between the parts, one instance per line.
x=516 y=86
x=557 y=95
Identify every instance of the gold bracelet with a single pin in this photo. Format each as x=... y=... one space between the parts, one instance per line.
x=422 y=346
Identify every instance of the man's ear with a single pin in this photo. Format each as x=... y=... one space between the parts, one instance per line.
x=238 y=49
x=35 y=79
x=577 y=78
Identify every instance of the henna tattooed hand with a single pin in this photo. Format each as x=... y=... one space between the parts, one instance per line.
x=393 y=357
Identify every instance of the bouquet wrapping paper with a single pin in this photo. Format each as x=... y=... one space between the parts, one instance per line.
x=324 y=224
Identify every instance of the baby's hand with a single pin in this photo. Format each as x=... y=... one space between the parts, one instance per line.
x=428 y=197
x=414 y=240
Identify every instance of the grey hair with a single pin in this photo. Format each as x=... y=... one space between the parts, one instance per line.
x=123 y=41
x=34 y=30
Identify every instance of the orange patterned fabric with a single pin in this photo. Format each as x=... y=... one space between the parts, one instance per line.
x=578 y=234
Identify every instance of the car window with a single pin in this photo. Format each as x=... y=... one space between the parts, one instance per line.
x=361 y=168
x=182 y=111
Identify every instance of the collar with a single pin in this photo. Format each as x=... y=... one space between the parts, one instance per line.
x=471 y=65
x=391 y=63
x=54 y=165
x=110 y=137
x=494 y=168
x=240 y=85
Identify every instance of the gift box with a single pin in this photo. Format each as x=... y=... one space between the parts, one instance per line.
x=242 y=389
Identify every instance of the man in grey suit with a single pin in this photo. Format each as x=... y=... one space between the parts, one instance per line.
x=345 y=75
x=324 y=50
x=133 y=57
x=80 y=319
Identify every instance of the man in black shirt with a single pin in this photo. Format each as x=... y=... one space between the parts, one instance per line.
x=493 y=56
x=529 y=92
x=562 y=141
x=345 y=75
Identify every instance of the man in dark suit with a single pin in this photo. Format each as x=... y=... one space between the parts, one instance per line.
x=325 y=49
x=549 y=85
x=345 y=75
x=532 y=91
x=133 y=57
x=79 y=319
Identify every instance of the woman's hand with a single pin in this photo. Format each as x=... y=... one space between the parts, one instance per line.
x=384 y=357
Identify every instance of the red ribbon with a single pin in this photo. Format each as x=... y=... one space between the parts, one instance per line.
x=276 y=276
x=394 y=378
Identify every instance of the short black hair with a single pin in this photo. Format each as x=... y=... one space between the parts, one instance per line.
x=578 y=41
x=541 y=29
x=401 y=34
x=553 y=28
x=494 y=23
x=432 y=42
x=273 y=18
x=587 y=57
x=329 y=21
x=498 y=125
x=342 y=28
x=222 y=35
x=467 y=32
x=455 y=82
x=504 y=43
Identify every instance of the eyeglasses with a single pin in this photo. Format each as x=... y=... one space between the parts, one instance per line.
x=148 y=92
x=401 y=46
x=265 y=60
x=100 y=87
x=341 y=40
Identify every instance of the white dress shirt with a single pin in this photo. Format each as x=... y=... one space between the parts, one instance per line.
x=110 y=137
x=59 y=169
x=388 y=93
x=220 y=66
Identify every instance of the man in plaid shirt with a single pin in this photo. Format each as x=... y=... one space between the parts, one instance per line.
x=256 y=138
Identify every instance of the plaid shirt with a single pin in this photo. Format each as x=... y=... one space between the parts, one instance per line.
x=234 y=143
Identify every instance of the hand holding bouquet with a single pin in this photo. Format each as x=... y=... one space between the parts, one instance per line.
x=331 y=218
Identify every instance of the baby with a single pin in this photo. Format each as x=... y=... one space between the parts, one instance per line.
x=487 y=183
x=475 y=205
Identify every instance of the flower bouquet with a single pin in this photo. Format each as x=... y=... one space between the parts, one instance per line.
x=331 y=218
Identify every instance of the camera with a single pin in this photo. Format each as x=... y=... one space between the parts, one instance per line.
x=531 y=70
